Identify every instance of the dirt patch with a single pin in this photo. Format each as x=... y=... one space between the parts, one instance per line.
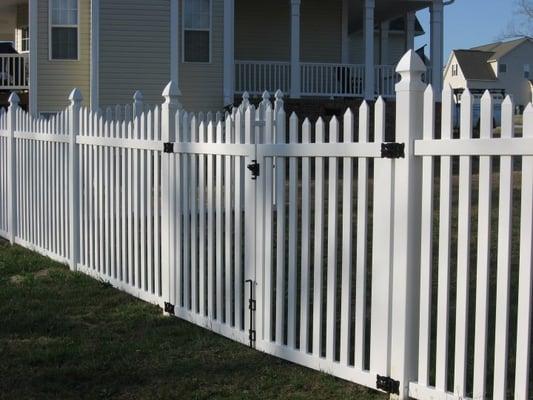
x=42 y=273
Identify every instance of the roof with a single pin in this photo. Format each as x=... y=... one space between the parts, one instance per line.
x=499 y=49
x=474 y=64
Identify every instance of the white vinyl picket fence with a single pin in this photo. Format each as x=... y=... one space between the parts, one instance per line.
x=405 y=267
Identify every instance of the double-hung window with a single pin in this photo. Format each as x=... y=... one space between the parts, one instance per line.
x=64 y=29
x=527 y=73
x=23 y=39
x=197 y=31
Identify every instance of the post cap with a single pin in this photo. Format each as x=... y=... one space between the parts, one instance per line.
x=171 y=90
x=411 y=62
x=75 y=96
x=138 y=96
x=266 y=96
x=14 y=99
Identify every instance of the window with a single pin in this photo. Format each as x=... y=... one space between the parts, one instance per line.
x=197 y=31
x=24 y=39
x=64 y=29
x=455 y=70
x=527 y=74
x=502 y=68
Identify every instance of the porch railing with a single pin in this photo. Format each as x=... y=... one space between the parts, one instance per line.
x=317 y=79
x=14 y=71
x=255 y=77
x=345 y=80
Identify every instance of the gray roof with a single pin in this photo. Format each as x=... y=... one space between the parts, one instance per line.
x=474 y=64
x=499 y=49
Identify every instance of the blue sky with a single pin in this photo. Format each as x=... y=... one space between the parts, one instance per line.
x=468 y=23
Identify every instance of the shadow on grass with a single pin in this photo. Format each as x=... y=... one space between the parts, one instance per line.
x=64 y=336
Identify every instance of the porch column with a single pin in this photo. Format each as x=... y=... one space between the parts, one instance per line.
x=33 y=25
x=384 y=43
x=295 y=49
x=410 y=19
x=345 y=56
x=229 y=52
x=437 y=45
x=369 y=49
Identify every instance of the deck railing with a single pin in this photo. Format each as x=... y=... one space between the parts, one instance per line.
x=14 y=71
x=255 y=77
x=330 y=80
x=317 y=79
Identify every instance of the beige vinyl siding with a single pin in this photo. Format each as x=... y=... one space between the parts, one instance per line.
x=202 y=84
x=57 y=78
x=8 y=20
x=263 y=31
x=321 y=31
x=513 y=80
x=134 y=50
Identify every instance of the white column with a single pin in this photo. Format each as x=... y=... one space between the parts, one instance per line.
x=295 y=49
x=174 y=41
x=437 y=45
x=369 y=49
x=345 y=49
x=410 y=19
x=384 y=43
x=229 y=52
x=95 y=54
x=33 y=25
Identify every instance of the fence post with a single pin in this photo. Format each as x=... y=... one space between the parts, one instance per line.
x=407 y=205
x=74 y=196
x=12 y=164
x=137 y=104
x=168 y=220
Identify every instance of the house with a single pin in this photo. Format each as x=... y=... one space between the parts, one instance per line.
x=215 y=49
x=502 y=67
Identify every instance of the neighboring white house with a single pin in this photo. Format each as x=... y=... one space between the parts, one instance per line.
x=502 y=67
x=214 y=49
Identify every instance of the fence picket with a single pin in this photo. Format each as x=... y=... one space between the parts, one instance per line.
x=503 y=259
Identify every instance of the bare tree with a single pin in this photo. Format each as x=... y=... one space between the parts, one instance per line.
x=522 y=23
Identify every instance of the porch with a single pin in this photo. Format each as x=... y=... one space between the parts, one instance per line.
x=14 y=48
x=345 y=50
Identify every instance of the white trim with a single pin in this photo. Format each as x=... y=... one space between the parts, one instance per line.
x=174 y=40
x=33 y=24
x=95 y=54
x=210 y=30
x=229 y=51
x=50 y=26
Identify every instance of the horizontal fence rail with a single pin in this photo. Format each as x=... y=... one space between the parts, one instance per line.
x=405 y=267
x=14 y=71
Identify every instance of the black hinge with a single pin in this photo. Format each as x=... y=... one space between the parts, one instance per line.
x=168 y=147
x=251 y=307
x=169 y=308
x=387 y=384
x=254 y=169
x=392 y=150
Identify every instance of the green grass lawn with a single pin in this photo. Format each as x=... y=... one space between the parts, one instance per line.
x=66 y=336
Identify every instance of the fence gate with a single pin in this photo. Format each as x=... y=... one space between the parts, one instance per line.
x=324 y=243
x=212 y=223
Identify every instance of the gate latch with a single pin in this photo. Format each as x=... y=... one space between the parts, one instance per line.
x=392 y=150
x=387 y=384
x=168 y=147
x=254 y=169
x=251 y=307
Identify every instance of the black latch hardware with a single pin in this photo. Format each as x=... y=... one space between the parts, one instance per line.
x=169 y=308
x=251 y=307
x=168 y=147
x=387 y=384
x=254 y=169
x=392 y=150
